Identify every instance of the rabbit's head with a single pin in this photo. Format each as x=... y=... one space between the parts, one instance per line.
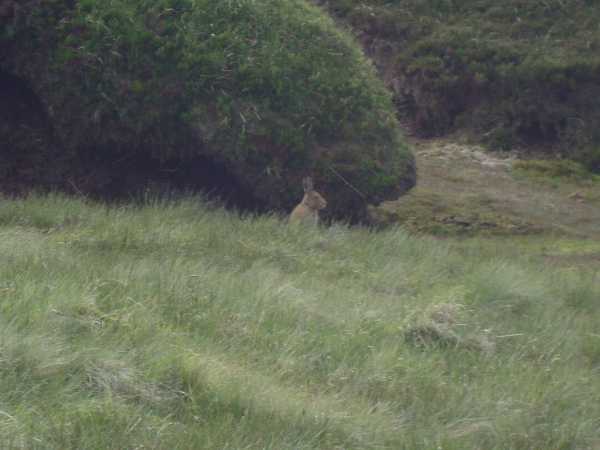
x=312 y=198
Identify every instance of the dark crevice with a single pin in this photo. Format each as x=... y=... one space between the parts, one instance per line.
x=140 y=177
x=27 y=148
x=31 y=159
x=20 y=104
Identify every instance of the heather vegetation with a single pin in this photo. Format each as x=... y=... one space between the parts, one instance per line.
x=513 y=73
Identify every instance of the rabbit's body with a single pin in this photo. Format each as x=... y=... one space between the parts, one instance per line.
x=307 y=210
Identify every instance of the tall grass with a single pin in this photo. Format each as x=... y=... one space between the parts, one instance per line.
x=180 y=325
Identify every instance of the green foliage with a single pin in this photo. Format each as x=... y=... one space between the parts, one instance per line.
x=514 y=72
x=178 y=325
x=263 y=86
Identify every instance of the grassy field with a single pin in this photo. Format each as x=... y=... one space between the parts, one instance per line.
x=180 y=325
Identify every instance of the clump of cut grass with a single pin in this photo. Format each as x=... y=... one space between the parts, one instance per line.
x=445 y=325
x=436 y=327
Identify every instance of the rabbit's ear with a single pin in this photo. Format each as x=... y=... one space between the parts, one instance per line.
x=307 y=183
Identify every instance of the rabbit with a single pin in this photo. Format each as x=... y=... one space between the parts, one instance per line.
x=308 y=209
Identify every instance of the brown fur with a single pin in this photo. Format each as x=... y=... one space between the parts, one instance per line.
x=308 y=209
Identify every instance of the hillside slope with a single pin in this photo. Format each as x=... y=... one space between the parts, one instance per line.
x=511 y=73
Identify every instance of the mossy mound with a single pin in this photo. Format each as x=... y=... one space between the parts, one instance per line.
x=513 y=72
x=271 y=90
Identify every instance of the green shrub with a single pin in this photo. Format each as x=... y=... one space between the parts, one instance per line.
x=272 y=89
